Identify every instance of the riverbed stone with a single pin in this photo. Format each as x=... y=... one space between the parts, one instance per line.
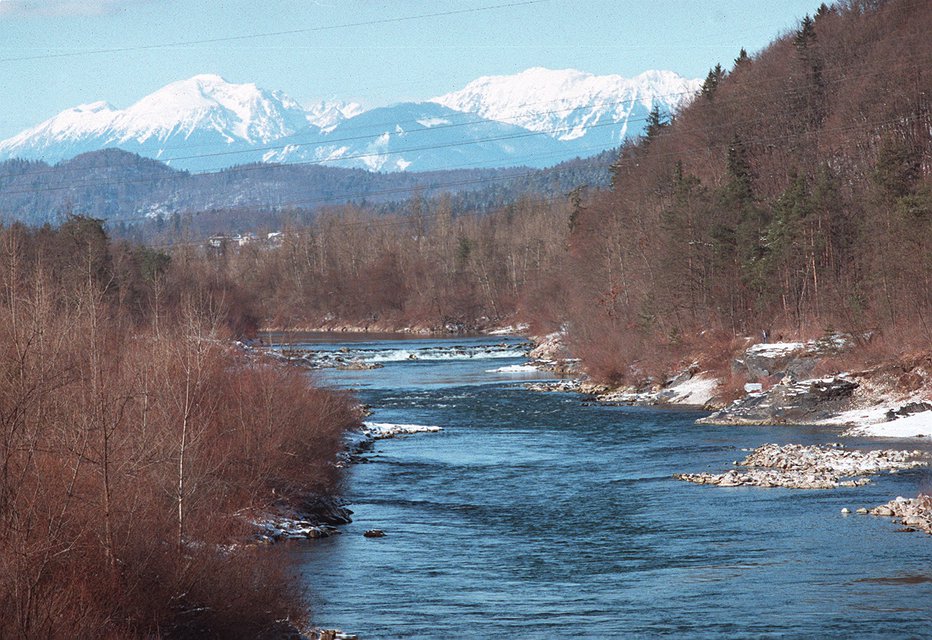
x=796 y=466
x=914 y=513
x=789 y=402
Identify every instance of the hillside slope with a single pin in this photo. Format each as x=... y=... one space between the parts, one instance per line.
x=118 y=186
x=794 y=195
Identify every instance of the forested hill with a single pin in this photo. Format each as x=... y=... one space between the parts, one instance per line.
x=115 y=185
x=793 y=195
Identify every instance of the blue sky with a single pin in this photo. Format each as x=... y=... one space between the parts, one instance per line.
x=332 y=55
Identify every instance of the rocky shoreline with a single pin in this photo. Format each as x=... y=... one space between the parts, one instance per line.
x=915 y=514
x=322 y=516
x=882 y=402
x=886 y=403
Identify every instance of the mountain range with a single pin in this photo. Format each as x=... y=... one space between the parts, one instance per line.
x=535 y=118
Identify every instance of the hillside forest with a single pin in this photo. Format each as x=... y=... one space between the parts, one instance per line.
x=791 y=197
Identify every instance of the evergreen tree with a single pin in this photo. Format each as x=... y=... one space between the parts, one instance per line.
x=739 y=234
x=655 y=124
x=711 y=82
x=805 y=35
x=575 y=197
x=739 y=171
x=813 y=86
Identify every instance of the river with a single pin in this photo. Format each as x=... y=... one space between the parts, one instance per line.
x=535 y=515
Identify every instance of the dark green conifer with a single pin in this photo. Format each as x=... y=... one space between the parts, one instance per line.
x=711 y=82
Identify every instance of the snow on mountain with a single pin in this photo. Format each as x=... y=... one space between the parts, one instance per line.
x=238 y=112
x=570 y=105
x=327 y=114
x=537 y=117
x=203 y=113
x=419 y=136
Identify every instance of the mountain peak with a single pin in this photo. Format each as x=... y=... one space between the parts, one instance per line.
x=94 y=107
x=492 y=121
x=567 y=103
x=207 y=79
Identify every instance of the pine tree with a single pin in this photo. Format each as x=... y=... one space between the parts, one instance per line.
x=711 y=82
x=805 y=35
x=655 y=125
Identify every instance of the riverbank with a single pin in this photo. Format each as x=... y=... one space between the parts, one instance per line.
x=322 y=516
x=574 y=503
x=774 y=385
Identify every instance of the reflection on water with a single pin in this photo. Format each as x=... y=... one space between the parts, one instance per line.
x=916 y=579
x=534 y=516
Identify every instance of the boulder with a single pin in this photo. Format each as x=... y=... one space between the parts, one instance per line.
x=789 y=402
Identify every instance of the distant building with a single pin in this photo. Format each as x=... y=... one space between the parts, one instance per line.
x=275 y=238
x=242 y=240
x=219 y=241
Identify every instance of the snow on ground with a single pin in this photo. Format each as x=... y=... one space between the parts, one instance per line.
x=698 y=390
x=382 y=430
x=861 y=416
x=515 y=368
x=775 y=349
x=510 y=330
x=917 y=425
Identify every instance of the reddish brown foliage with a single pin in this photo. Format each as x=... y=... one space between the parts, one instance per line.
x=794 y=194
x=133 y=444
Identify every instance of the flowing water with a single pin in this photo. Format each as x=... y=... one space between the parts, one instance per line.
x=534 y=515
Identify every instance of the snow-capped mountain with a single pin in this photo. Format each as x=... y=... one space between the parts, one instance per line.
x=571 y=105
x=197 y=116
x=537 y=117
x=419 y=136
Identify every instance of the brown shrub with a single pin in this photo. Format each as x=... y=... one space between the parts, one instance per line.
x=130 y=452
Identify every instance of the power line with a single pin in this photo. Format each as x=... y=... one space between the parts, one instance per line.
x=918 y=63
x=677 y=154
x=271 y=34
x=848 y=76
x=439 y=127
x=259 y=167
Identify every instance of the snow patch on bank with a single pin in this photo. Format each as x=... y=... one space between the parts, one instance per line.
x=698 y=390
x=510 y=330
x=383 y=430
x=775 y=349
x=515 y=368
x=917 y=425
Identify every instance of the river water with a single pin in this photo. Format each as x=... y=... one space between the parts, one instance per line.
x=534 y=515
